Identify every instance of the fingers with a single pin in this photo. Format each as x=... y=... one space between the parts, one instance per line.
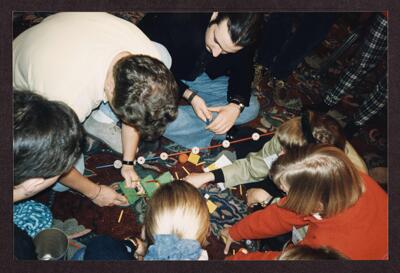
x=228 y=239
x=215 y=108
x=204 y=114
x=140 y=189
x=207 y=113
x=128 y=182
x=200 y=108
x=219 y=125
x=120 y=200
x=227 y=246
x=130 y=177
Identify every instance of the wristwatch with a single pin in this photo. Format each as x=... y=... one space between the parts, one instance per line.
x=238 y=102
x=125 y=162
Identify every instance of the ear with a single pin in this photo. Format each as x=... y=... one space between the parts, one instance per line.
x=214 y=15
x=109 y=90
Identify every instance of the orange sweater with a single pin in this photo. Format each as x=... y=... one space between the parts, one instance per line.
x=360 y=232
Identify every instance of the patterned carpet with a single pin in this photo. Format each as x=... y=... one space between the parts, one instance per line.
x=303 y=86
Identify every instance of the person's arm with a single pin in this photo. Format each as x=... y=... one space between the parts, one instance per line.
x=239 y=91
x=266 y=223
x=242 y=73
x=101 y=195
x=130 y=141
x=253 y=168
x=198 y=104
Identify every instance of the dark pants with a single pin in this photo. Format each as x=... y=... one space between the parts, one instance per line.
x=281 y=49
x=104 y=247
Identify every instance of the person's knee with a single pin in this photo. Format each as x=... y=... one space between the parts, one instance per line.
x=183 y=120
x=253 y=109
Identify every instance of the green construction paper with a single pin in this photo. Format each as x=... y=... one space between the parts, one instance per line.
x=149 y=187
x=165 y=178
x=130 y=193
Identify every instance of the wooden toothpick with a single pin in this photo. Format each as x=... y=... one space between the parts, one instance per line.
x=187 y=172
x=120 y=216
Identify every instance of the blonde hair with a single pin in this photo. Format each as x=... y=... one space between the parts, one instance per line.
x=317 y=175
x=303 y=252
x=177 y=208
x=324 y=129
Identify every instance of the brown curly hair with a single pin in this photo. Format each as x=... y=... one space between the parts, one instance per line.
x=324 y=129
x=145 y=94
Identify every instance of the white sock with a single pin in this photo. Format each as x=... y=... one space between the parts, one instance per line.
x=99 y=116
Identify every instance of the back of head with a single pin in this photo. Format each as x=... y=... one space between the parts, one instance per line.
x=303 y=252
x=47 y=137
x=177 y=208
x=244 y=28
x=321 y=128
x=145 y=94
x=323 y=173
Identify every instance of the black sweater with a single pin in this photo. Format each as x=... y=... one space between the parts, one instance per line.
x=183 y=34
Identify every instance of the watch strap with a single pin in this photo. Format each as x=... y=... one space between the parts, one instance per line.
x=126 y=162
x=238 y=102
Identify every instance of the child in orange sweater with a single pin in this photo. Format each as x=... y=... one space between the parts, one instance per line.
x=344 y=209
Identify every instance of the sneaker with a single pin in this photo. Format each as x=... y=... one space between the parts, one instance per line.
x=109 y=133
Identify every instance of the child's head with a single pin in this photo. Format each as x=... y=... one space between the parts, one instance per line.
x=303 y=252
x=177 y=208
x=317 y=178
x=310 y=127
x=47 y=140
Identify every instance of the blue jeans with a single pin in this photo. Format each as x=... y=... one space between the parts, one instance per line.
x=188 y=130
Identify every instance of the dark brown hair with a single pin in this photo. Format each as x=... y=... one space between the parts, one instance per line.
x=145 y=94
x=324 y=129
x=244 y=28
x=48 y=137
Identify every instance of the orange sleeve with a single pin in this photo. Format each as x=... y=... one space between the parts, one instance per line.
x=265 y=223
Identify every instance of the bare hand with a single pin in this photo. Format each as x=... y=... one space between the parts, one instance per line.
x=199 y=179
x=226 y=118
x=132 y=180
x=201 y=109
x=256 y=196
x=140 y=250
x=109 y=197
x=228 y=239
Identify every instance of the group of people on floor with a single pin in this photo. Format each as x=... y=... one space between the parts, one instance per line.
x=79 y=72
